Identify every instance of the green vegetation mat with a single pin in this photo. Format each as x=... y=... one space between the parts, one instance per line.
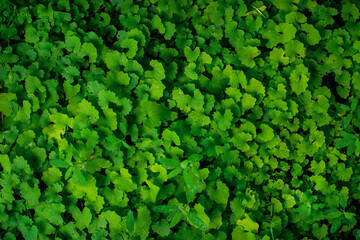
x=179 y=119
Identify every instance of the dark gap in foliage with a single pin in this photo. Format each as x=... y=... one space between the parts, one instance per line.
x=128 y=140
x=42 y=185
x=80 y=204
x=339 y=21
x=329 y=81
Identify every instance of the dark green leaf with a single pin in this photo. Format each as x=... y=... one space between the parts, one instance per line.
x=304 y=211
x=351 y=149
x=166 y=208
x=31 y=234
x=349 y=215
x=346 y=141
x=130 y=221
x=342 y=201
x=357 y=145
x=352 y=221
x=335 y=225
x=317 y=206
x=334 y=214
x=196 y=221
x=122 y=128
x=347 y=120
x=344 y=107
x=354 y=103
x=346 y=134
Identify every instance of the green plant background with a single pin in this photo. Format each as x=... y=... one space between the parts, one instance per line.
x=164 y=119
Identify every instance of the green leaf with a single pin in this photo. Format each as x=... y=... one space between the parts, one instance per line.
x=346 y=141
x=170 y=30
x=31 y=234
x=169 y=163
x=122 y=127
x=312 y=36
x=166 y=209
x=196 y=221
x=247 y=101
x=357 y=145
x=157 y=24
x=349 y=10
x=70 y=91
x=188 y=181
x=5 y=163
x=191 y=55
x=130 y=44
x=334 y=214
x=293 y=49
x=248 y=224
x=151 y=194
x=69 y=73
x=247 y=54
x=126 y=145
x=73 y=43
x=347 y=120
x=287 y=31
x=175 y=172
x=289 y=200
x=5 y=100
x=335 y=225
x=80 y=176
x=184 y=164
x=354 y=103
x=51 y=175
x=320 y=232
x=195 y=172
x=176 y=219
x=130 y=221
x=158 y=72
x=221 y=194
x=114 y=60
x=299 y=79
x=123 y=181
x=349 y=215
x=171 y=137
x=342 y=201
x=31 y=34
x=143 y=222
x=284 y=5
x=223 y=120
x=31 y=194
x=23 y=115
x=68 y=173
x=190 y=71
x=162 y=228
x=267 y=133
x=89 y=50
x=60 y=164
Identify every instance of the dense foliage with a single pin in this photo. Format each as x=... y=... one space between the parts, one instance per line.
x=179 y=119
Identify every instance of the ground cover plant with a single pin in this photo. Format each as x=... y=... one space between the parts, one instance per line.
x=179 y=119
